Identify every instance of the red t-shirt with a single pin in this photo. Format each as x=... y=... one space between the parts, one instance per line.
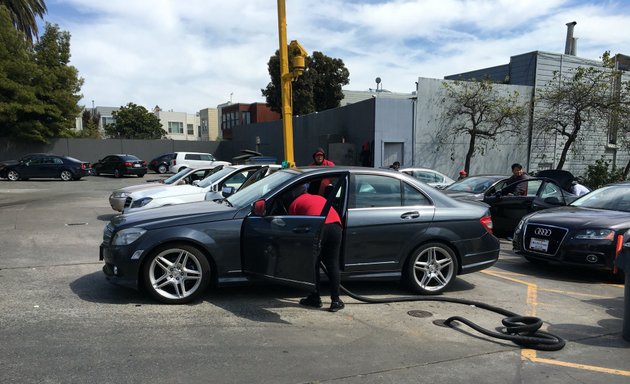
x=313 y=205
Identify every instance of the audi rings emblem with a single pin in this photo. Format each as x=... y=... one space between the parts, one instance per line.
x=542 y=232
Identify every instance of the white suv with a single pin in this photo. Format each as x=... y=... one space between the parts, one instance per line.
x=183 y=160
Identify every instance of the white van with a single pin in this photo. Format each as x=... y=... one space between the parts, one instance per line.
x=183 y=160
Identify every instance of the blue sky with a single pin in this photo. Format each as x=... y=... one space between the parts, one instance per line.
x=194 y=54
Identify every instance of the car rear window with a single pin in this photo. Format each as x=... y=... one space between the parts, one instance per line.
x=129 y=157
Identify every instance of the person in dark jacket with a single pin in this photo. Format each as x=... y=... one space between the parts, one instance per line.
x=313 y=205
x=517 y=175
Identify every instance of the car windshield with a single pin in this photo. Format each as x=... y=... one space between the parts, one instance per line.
x=177 y=176
x=472 y=184
x=613 y=197
x=247 y=196
x=217 y=176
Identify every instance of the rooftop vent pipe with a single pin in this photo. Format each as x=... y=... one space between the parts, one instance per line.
x=569 y=47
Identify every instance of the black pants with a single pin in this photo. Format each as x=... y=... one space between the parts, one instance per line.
x=331 y=246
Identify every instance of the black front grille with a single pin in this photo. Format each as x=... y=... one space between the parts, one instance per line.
x=128 y=202
x=537 y=237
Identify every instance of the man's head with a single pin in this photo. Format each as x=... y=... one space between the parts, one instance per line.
x=318 y=156
x=463 y=173
x=396 y=165
x=517 y=169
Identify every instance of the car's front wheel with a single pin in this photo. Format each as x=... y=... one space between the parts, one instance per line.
x=176 y=273
x=65 y=175
x=162 y=169
x=117 y=173
x=431 y=269
x=13 y=175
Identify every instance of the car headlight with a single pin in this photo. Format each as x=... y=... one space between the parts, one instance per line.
x=519 y=226
x=128 y=236
x=120 y=195
x=141 y=202
x=595 y=234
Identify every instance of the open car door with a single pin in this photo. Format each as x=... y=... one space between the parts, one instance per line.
x=280 y=247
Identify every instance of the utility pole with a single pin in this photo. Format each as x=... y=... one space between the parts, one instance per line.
x=286 y=78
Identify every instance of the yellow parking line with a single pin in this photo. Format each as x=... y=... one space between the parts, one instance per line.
x=530 y=354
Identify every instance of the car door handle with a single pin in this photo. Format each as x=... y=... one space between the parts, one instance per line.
x=410 y=215
x=302 y=229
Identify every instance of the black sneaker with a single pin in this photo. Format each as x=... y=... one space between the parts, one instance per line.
x=312 y=301
x=336 y=305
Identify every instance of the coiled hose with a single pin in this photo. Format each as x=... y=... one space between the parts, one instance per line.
x=521 y=330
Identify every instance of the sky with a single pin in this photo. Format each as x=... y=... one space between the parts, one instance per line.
x=187 y=55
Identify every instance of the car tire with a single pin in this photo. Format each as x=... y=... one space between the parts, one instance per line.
x=117 y=173
x=431 y=269
x=13 y=175
x=96 y=172
x=533 y=260
x=141 y=175
x=176 y=273
x=162 y=169
x=65 y=175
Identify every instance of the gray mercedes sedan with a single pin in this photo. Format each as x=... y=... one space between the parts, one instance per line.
x=394 y=227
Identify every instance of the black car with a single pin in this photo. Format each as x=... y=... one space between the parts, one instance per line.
x=589 y=232
x=508 y=209
x=161 y=163
x=395 y=227
x=120 y=165
x=45 y=165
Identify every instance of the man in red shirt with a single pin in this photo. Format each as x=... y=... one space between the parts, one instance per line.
x=319 y=158
x=313 y=205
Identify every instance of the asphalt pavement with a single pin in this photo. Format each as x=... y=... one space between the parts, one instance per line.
x=62 y=322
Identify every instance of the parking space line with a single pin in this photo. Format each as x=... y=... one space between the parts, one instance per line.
x=530 y=354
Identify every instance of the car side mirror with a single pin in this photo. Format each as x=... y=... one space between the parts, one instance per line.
x=228 y=191
x=195 y=182
x=259 y=208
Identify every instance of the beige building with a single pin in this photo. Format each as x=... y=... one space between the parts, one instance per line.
x=180 y=125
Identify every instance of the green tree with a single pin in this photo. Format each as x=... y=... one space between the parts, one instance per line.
x=22 y=14
x=135 y=122
x=90 y=119
x=477 y=110
x=57 y=83
x=583 y=97
x=317 y=89
x=38 y=89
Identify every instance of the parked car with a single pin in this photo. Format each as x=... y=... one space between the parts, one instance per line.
x=589 y=232
x=507 y=210
x=429 y=176
x=394 y=228
x=216 y=186
x=161 y=163
x=45 y=165
x=183 y=177
x=120 y=165
x=194 y=160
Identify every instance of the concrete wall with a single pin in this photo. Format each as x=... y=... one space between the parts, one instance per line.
x=93 y=150
x=450 y=158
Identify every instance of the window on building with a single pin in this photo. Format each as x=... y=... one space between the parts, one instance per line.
x=190 y=129
x=247 y=117
x=175 y=127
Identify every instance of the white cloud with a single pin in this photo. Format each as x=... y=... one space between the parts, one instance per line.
x=188 y=55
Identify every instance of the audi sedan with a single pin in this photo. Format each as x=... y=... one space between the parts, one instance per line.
x=589 y=232
x=45 y=165
x=394 y=227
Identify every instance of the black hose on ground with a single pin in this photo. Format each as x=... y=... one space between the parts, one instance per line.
x=521 y=330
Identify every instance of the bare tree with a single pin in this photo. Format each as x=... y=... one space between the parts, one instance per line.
x=585 y=96
x=483 y=113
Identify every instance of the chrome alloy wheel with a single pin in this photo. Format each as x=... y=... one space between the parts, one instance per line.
x=13 y=175
x=66 y=175
x=177 y=274
x=432 y=269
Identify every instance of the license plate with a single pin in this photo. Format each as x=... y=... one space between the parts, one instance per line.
x=136 y=165
x=538 y=244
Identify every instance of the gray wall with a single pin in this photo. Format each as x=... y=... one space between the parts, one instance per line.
x=93 y=150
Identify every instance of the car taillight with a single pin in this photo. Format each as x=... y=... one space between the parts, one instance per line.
x=83 y=166
x=486 y=221
x=154 y=162
x=128 y=164
x=173 y=162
